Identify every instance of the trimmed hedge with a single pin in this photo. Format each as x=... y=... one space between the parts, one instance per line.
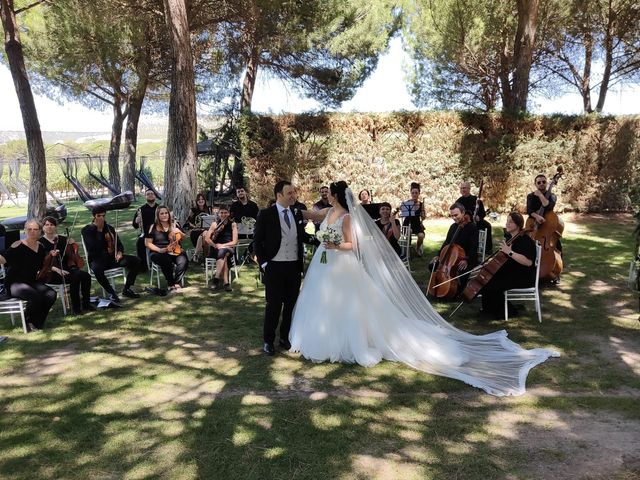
x=385 y=152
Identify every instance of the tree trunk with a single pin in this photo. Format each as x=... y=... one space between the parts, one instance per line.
x=523 y=52
x=131 y=141
x=180 y=171
x=37 y=203
x=608 y=60
x=585 y=85
x=249 y=82
x=114 y=144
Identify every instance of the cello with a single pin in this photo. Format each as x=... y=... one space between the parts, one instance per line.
x=442 y=283
x=548 y=234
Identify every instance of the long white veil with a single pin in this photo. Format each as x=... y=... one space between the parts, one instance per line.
x=491 y=362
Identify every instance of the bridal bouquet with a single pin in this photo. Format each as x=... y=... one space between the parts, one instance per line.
x=329 y=235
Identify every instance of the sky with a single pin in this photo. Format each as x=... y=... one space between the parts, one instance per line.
x=385 y=90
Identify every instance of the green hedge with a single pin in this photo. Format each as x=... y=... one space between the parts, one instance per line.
x=385 y=152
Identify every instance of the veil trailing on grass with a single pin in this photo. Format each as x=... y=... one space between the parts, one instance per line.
x=491 y=362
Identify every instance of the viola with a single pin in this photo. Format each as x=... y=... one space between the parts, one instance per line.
x=548 y=234
x=488 y=270
x=441 y=284
x=45 y=273
x=72 y=257
x=174 y=247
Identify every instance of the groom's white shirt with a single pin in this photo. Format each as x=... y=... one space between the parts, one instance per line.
x=288 y=251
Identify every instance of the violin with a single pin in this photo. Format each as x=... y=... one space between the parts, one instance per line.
x=441 y=283
x=219 y=228
x=45 y=273
x=175 y=237
x=110 y=243
x=488 y=270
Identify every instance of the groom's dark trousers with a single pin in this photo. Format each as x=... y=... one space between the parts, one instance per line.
x=282 y=285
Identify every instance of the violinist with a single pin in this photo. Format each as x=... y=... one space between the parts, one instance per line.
x=469 y=202
x=143 y=219
x=538 y=199
x=222 y=237
x=24 y=259
x=519 y=271
x=105 y=251
x=414 y=213
x=163 y=241
x=65 y=262
x=466 y=238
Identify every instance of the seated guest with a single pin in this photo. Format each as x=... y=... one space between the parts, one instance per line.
x=518 y=272
x=243 y=207
x=163 y=241
x=466 y=238
x=25 y=258
x=321 y=204
x=194 y=224
x=389 y=226
x=143 y=219
x=222 y=237
x=469 y=203
x=373 y=209
x=105 y=251
x=414 y=213
x=66 y=263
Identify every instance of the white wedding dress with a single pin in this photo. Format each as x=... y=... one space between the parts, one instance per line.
x=363 y=306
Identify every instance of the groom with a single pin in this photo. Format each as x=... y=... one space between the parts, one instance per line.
x=278 y=237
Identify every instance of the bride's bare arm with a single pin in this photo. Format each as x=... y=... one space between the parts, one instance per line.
x=315 y=215
x=346 y=243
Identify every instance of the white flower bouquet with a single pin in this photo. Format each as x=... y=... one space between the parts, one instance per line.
x=330 y=235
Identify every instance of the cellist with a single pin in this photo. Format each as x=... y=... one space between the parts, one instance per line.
x=538 y=199
x=467 y=238
x=518 y=271
x=65 y=263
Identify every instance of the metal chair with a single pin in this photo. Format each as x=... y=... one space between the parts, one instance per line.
x=405 y=245
x=62 y=291
x=155 y=270
x=210 y=267
x=482 y=245
x=13 y=305
x=531 y=294
x=111 y=273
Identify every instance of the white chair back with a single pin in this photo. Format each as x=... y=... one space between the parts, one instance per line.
x=405 y=245
x=482 y=245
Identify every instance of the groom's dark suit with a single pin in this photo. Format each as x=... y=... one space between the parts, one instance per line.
x=282 y=278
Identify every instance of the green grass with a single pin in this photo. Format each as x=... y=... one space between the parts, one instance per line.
x=178 y=388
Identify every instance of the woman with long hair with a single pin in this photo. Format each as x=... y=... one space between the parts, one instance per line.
x=222 y=238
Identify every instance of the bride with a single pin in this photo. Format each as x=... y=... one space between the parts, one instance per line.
x=362 y=306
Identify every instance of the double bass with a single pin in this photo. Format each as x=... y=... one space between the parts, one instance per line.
x=443 y=283
x=548 y=234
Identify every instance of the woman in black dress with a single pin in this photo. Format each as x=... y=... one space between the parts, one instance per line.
x=222 y=237
x=66 y=264
x=194 y=223
x=518 y=272
x=163 y=240
x=389 y=226
x=25 y=259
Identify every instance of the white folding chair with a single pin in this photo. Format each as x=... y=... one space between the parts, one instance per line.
x=155 y=270
x=13 y=305
x=210 y=267
x=405 y=245
x=111 y=273
x=482 y=245
x=531 y=294
x=61 y=290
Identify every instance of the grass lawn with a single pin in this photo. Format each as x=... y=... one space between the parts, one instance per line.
x=177 y=387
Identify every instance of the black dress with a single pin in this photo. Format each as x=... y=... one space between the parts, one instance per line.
x=23 y=267
x=166 y=261
x=224 y=236
x=412 y=216
x=77 y=279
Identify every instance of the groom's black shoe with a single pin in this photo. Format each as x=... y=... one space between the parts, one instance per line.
x=285 y=344
x=268 y=349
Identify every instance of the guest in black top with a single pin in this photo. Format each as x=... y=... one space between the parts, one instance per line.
x=390 y=227
x=518 y=272
x=65 y=264
x=105 y=251
x=25 y=259
x=163 y=241
x=467 y=238
x=469 y=202
x=144 y=218
x=414 y=213
x=222 y=237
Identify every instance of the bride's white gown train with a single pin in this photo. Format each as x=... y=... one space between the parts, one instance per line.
x=360 y=307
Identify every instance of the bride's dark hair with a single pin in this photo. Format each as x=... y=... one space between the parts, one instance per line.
x=338 y=190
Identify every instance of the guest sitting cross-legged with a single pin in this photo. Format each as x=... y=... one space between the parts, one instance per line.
x=222 y=237
x=163 y=240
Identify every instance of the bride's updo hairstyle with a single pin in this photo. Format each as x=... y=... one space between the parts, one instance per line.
x=338 y=190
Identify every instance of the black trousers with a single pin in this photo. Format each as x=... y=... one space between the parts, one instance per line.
x=141 y=251
x=166 y=263
x=99 y=265
x=493 y=292
x=39 y=297
x=282 y=286
x=77 y=280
